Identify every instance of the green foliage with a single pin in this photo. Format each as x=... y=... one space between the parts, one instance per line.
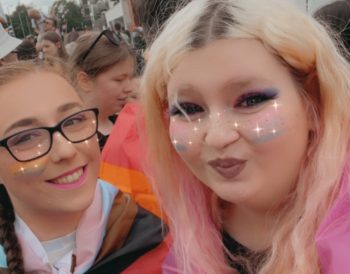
x=69 y=15
x=20 y=22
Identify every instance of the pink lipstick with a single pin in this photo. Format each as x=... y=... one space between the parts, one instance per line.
x=228 y=168
x=70 y=180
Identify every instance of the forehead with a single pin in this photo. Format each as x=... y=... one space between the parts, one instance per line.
x=125 y=66
x=46 y=42
x=224 y=61
x=39 y=93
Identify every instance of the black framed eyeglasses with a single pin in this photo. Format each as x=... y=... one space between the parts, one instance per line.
x=112 y=37
x=34 y=143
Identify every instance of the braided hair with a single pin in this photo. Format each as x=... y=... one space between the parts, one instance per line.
x=8 y=238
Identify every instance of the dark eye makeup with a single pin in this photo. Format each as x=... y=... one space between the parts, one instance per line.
x=185 y=108
x=247 y=100
x=255 y=98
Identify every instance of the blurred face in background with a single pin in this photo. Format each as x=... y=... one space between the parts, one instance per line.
x=49 y=25
x=112 y=87
x=49 y=48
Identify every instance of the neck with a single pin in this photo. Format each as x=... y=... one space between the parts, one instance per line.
x=48 y=226
x=253 y=229
x=105 y=126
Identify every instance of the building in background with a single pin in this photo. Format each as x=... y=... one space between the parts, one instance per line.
x=120 y=11
x=95 y=9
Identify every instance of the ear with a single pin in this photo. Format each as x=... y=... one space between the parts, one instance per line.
x=84 y=82
x=58 y=45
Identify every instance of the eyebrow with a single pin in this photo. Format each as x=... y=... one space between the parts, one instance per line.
x=233 y=83
x=34 y=121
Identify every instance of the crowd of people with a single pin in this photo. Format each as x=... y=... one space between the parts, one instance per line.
x=224 y=150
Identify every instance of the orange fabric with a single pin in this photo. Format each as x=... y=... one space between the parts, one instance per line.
x=132 y=182
x=123 y=158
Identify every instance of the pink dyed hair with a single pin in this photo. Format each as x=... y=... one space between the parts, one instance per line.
x=301 y=44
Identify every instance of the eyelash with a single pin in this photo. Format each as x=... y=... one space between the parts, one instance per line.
x=185 y=107
x=247 y=100
x=252 y=99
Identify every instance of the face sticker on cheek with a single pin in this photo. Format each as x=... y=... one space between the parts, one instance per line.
x=31 y=168
x=258 y=127
x=181 y=135
x=263 y=126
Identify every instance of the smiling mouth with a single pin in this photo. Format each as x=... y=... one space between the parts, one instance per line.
x=69 y=178
x=228 y=168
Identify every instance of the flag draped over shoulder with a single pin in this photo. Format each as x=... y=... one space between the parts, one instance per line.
x=333 y=236
x=124 y=158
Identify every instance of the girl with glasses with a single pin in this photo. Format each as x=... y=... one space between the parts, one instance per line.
x=248 y=119
x=104 y=71
x=55 y=215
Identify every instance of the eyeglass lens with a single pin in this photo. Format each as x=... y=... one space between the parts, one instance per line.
x=31 y=144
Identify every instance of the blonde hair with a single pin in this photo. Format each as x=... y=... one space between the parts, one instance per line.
x=302 y=45
x=15 y=70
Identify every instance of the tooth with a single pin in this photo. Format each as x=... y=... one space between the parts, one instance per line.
x=70 y=178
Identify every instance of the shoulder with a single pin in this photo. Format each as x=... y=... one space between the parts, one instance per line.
x=134 y=240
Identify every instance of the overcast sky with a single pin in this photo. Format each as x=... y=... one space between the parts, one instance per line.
x=44 y=5
x=10 y=5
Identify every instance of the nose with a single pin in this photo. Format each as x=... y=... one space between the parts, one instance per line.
x=221 y=131
x=62 y=149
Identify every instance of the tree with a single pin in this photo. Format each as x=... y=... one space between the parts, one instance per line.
x=20 y=22
x=69 y=14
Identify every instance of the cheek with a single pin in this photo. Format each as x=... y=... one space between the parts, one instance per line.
x=29 y=169
x=91 y=148
x=183 y=138
x=263 y=127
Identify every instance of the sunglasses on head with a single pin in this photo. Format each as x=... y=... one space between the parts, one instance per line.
x=112 y=37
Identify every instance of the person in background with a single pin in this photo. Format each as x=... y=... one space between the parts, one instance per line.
x=51 y=44
x=336 y=17
x=8 y=47
x=248 y=121
x=104 y=68
x=50 y=24
x=124 y=156
x=56 y=216
x=26 y=51
x=70 y=41
x=120 y=30
x=37 y=20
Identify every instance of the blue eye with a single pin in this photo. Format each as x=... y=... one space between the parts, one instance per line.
x=252 y=99
x=187 y=108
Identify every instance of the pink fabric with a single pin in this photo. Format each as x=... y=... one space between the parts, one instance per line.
x=88 y=241
x=333 y=236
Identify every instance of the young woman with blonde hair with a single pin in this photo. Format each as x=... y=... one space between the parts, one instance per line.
x=248 y=121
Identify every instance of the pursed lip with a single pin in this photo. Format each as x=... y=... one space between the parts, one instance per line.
x=229 y=168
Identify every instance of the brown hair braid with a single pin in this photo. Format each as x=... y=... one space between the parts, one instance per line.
x=8 y=238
